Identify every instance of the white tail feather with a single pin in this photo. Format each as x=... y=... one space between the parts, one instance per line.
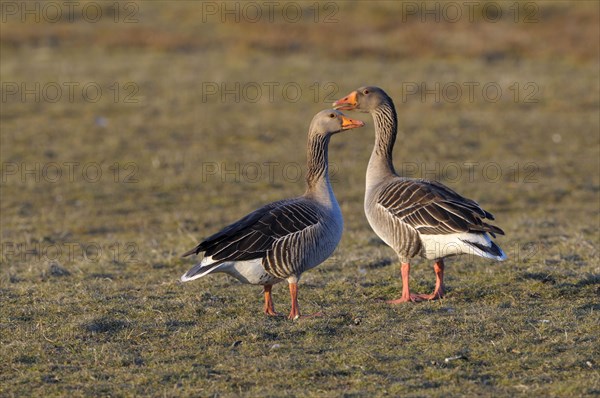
x=440 y=246
x=198 y=271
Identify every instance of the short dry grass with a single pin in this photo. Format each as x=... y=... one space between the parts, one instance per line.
x=90 y=303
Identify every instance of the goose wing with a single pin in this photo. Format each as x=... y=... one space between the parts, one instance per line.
x=257 y=234
x=434 y=209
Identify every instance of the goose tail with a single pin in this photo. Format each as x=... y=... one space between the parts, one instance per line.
x=205 y=267
x=487 y=249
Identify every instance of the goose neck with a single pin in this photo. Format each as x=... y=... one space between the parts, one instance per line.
x=386 y=122
x=317 y=174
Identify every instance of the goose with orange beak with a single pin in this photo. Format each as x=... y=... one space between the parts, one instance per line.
x=283 y=239
x=416 y=217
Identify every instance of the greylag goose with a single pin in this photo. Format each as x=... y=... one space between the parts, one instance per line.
x=283 y=239
x=416 y=217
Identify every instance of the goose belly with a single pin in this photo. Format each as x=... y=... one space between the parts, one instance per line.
x=320 y=246
x=397 y=235
x=251 y=272
x=332 y=234
x=380 y=226
x=326 y=243
x=300 y=252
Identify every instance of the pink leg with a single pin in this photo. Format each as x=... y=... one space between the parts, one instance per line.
x=406 y=296
x=295 y=312
x=438 y=292
x=269 y=307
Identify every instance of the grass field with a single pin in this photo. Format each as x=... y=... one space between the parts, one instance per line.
x=128 y=137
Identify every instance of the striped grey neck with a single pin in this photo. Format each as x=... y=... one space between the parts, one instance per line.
x=317 y=159
x=386 y=123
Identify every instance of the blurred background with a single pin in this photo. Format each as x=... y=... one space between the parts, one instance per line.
x=163 y=93
x=130 y=130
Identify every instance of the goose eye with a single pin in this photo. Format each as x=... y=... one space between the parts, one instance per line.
x=331 y=115
x=366 y=92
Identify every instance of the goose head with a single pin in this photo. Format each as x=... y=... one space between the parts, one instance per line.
x=331 y=121
x=364 y=99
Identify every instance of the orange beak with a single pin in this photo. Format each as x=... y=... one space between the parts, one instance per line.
x=347 y=103
x=348 y=123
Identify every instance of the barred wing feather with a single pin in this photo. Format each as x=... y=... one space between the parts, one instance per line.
x=257 y=234
x=434 y=209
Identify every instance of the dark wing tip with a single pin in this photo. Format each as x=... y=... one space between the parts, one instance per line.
x=497 y=230
x=488 y=215
x=195 y=250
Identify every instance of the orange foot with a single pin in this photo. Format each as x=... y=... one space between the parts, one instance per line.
x=269 y=308
x=412 y=298
x=433 y=296
x=293 y=316
x=272 y=312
